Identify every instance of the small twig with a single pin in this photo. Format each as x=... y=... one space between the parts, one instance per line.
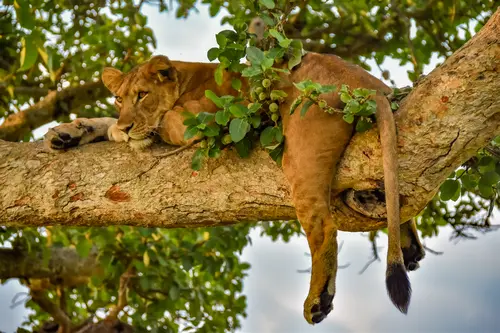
x=15 y=302
x=122 y=295
x=375 y=256
x=437 y=253
x=178 y=150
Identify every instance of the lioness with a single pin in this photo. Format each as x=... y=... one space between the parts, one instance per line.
x=152 y=96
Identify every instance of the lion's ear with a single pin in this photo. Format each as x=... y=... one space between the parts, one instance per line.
x=112 y=79
x=161 y=68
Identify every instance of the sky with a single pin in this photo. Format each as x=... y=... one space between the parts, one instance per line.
x=458 y=291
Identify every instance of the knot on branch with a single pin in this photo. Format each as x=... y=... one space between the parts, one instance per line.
x=370 y=203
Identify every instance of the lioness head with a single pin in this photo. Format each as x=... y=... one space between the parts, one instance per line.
x=142 y=96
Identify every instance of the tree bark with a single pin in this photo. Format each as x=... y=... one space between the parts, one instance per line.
x=451 y=113
x=62 y=266
x=55 y=104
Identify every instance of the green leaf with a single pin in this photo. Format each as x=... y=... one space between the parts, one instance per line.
x=205 y=117
x=278 y=134
x=243 y=147
x=295 y=105
x=490 y=177
x=449 y=189
x=190 y=132
x=214 y=98
x=276 y=52
x=363 y=125
x=277 y=94
x=267 y=136
x=236 y=84
x=251 y=71
x=213 y=53
x=254 y=108
x=83 y=246
x=191 y=122
x=306 y=107
x=197 y=161
x=222 y=117
x=352 y=107
x=296 y=55
x=212 y=130
x=327 y=88
x=485 y=189
x=348 y=118
x=487 y=163
x=221 y=40
x=174 y=292
x=469 y=182
x=345 y=97
x=255 y=55
x=277 y=154
x=24 y=16
x=214 y=152
x=268 y=3
x=238 y=129
x=277 y=35
x=255 y=121
x=145 y=258
x=238 y=110
x=219 y=75
x=267 y=63
x=29 y=53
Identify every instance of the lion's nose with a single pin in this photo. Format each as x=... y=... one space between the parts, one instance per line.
x=125 y=128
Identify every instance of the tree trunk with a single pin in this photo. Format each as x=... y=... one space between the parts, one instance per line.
x=452 y=113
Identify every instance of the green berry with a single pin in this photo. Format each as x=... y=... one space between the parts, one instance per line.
x=266 y=83
x=259 y=90
x=226 y=139
x=273 y=107
x=275 y=117
x=262 y=96
x=322 y=103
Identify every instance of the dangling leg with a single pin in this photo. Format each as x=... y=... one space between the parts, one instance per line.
x=314 y=145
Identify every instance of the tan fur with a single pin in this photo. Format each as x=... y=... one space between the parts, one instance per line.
x=313 y=144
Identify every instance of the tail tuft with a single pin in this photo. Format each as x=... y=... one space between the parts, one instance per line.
x=398 y=286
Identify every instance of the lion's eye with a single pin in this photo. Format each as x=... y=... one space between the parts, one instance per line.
x=118 y=99
x=142 y=94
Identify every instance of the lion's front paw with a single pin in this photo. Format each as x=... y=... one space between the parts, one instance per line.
x=65 y=136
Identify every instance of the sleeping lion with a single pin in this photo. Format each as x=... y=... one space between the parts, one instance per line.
x=151 y=99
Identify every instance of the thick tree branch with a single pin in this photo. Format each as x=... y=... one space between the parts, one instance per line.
x=453 y=112
x=55 y=104
x=64 y=266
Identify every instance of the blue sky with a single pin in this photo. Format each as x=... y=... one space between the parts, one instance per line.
x=458 y=291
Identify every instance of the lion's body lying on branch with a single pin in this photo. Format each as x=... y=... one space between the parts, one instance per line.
x=152 y=97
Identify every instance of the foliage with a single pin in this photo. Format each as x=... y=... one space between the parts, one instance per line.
x=192 y=279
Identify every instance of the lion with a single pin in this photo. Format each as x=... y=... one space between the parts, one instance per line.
x=152 y=97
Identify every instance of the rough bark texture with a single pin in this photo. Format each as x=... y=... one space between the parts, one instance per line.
x=55 y=104
x=453 y=112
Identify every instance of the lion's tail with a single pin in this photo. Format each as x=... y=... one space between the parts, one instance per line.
x=397 y=282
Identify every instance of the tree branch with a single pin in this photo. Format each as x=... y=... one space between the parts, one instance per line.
x=55 y=104
x=43 y=301
x=64 y=266
x=447 y=117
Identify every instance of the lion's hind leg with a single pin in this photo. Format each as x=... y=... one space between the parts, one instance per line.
x=413 y=250
x=313 y=148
